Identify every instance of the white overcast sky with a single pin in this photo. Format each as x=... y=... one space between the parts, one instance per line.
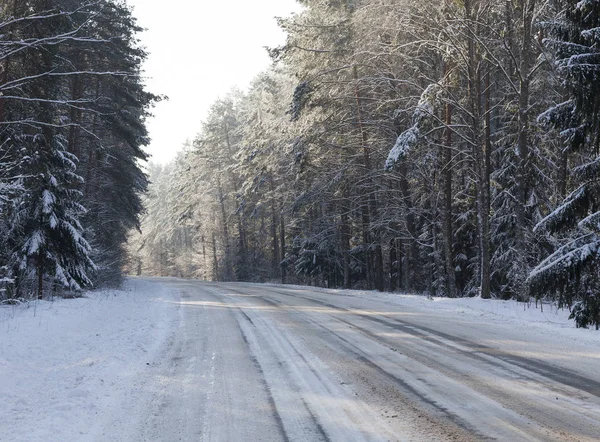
x=199 y=50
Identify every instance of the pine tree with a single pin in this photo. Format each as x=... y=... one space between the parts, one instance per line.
x=111 y=156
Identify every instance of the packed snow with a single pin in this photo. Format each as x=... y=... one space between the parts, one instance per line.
x=71 y=368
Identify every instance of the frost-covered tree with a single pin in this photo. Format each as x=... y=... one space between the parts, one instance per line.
x=72 y=128
x=109 y=139
x=396 y=144
x=524 y=158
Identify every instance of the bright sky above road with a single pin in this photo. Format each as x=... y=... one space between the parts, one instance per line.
x=199 y=50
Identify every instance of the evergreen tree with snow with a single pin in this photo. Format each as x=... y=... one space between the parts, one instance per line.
x=572 y=270
x=73 y=108
x=46 y=220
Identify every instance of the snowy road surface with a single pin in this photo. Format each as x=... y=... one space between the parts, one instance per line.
x=243 y=362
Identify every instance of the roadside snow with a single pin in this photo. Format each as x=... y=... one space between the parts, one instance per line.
x=545 y=315
x=65 y=365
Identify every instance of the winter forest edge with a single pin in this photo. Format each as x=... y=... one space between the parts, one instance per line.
x=72 y=110
x=446 y=147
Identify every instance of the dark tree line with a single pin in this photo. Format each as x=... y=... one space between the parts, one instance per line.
x=441 y=146
x=72 y=129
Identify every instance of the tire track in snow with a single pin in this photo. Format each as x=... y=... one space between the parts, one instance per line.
x=583 y=420
x=294 y=430
x=263 y=380
x=407 y=390
x=314 y=388
x=557 y=374
x=205 y=385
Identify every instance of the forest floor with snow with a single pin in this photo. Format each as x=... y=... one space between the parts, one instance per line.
x=67 y=365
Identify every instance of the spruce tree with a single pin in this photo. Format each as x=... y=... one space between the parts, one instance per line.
x=51 y=234
x=572 y=269
x=72 y=130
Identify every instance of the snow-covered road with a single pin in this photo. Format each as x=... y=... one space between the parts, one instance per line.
x=242 y=362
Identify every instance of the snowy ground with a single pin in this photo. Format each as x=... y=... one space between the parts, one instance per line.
x=65 y=365
x=168 y=359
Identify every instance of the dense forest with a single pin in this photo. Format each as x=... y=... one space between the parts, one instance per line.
x=443 y=146
x=440 y=146
x=72 y=131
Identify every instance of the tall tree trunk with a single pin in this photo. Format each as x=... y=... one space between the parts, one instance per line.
x=447 y=228
x=410 y=254
x=4 y=69
x=10 y=8
x=374 y=269
x=215 y=259
x=367 y=245
x=75 y=113
x=242 y=271
x=282 y=239
x=527 y=8
x=480 y=152
x=225 y=227
x=275 y=242
x=399 y=267
x=485 y=198
x=393 y=262
x=92 y=156
x=345 y=241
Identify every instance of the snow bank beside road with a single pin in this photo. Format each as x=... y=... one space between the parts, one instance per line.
x=65 y=365
x=543 y=315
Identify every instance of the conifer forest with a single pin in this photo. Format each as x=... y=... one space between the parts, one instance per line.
x=72 y=112
x=448 y=147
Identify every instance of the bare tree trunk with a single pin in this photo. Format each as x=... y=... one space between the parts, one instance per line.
x=5 y=65
x=276 y=258
x=228 y=270
x=282 y=239
x=345 y=245
x=399 y=266
x=75 y=115
x=447 y=228
x=485 y=200
x=527 y=8
x=242 y=268
x=367 y=244
x=409 y=245
x=4 y=69
x=374 y=270
x=91 y=161
x=393 y=262
x=480 y=154
x=215 y=259
x=379 y=271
